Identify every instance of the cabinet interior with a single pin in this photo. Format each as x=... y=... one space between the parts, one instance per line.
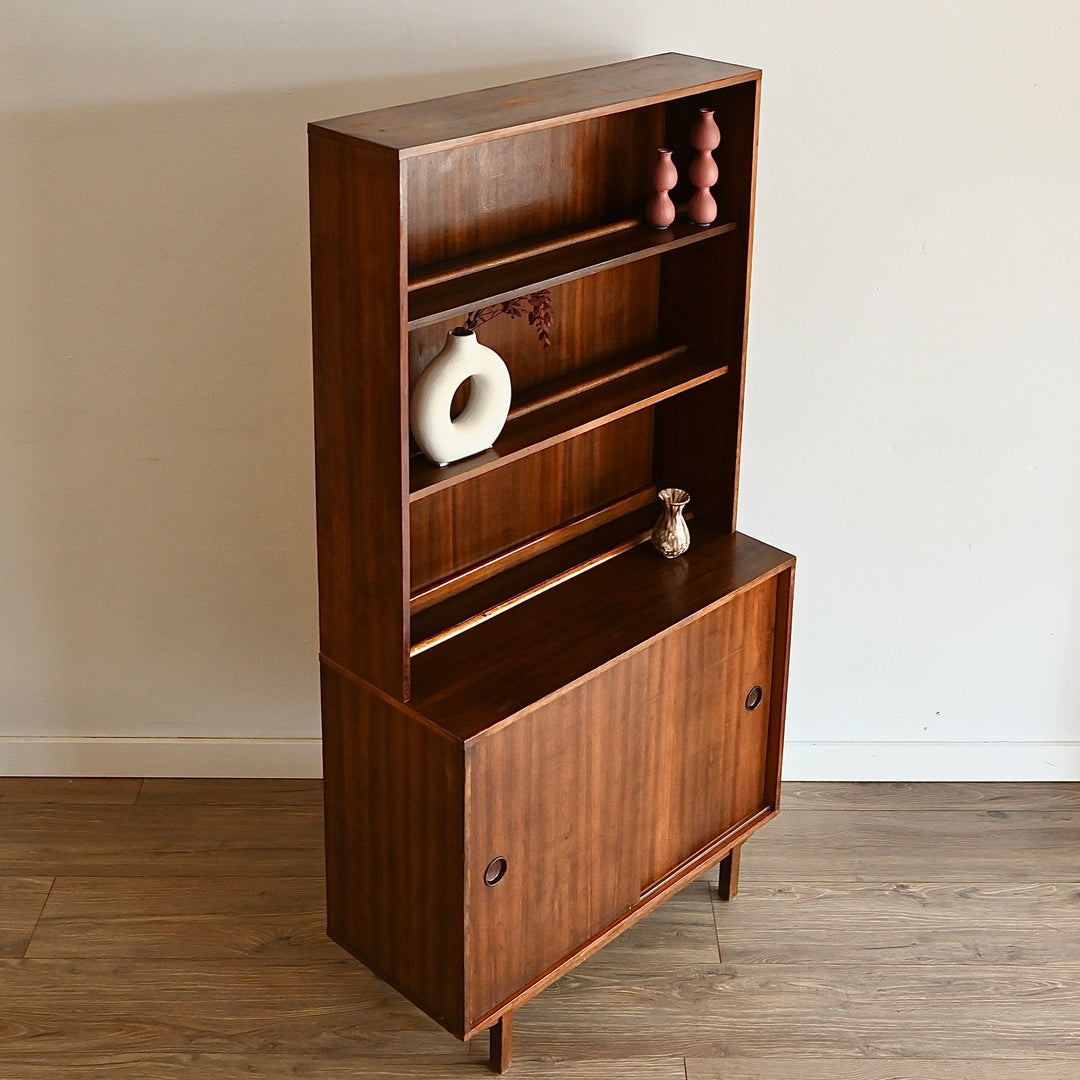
x=640 y=387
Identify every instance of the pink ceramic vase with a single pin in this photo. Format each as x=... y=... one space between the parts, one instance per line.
x=704 y=138
x=660 y=210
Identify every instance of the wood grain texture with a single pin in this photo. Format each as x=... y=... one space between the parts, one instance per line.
x=232 y=792
x=317 y=1063
x=511 y=252
x=475 y=198
x=816 y=1010
x=879 y=1069
x=651 y=1004
x=917 y=922
x=679 y=937
x=970 y=798
x=478 y=115
x=21 y=901
x=120 y=791
x=447 y=298
x=394 y=838
x=806 y=845
x=184 y=918
x=695 y=681
x=627 y=296
x=361 y=379
x=595 y=803
x=522 y=570
x=225 y=1006
x=573 y=416
x=697 y=433
x=599 y=619
x=557 y=795
x=158 y=839
x=785 y=606
x=460 y=526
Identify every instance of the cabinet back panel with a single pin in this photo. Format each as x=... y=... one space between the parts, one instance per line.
x=471 y=198
x=734 y=109
x=703 y=291
x=463 y=525
x=394 y=823
x=595 y=318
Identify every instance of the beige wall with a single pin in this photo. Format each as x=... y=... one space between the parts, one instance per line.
x=913 y=383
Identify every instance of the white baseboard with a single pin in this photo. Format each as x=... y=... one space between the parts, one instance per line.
x=912 y=761
x=21 y=756
x=924 y=761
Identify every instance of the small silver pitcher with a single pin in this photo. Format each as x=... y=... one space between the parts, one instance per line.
x=671 y=536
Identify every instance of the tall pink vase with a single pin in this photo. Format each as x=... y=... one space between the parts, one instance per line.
x=704 y=172
x=660 y=210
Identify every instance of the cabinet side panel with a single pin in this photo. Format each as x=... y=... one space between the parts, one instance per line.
x=740 y=118
x=360 y=441
x=556 y=793
x=394 y=828
x=785 y=599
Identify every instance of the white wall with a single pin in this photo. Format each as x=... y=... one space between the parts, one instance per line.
x=914 y=369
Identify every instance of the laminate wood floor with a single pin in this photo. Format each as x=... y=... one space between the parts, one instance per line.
x=174 y=928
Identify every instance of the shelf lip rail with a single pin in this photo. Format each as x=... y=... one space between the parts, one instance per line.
x=571 y=554
x=565 y=412
x=510 y=274
x=438 y=273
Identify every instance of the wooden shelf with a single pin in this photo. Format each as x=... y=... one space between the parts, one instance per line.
x=508 y=558
x=544 y=645
x=460 y=287
x=513 y=586
x=566 y=407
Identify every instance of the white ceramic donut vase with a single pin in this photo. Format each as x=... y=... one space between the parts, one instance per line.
x=462 y=357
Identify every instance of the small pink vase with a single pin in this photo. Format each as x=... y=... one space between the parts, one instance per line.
x=704 y=172
x=660 y=210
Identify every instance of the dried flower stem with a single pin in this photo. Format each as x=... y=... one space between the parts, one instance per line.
x=536 y=305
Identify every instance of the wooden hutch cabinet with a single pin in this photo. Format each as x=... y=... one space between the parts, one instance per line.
x=536 y=728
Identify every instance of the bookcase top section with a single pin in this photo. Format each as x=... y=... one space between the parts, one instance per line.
x=480 y=115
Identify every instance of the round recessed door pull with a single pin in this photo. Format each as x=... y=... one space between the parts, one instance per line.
x=753 y=699
x=495 y=871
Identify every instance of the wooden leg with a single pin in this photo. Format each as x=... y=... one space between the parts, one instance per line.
x=728 y=885
x=502 y=1044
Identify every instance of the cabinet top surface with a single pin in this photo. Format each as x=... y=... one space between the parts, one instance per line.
x=479 y=115
x=598 y=619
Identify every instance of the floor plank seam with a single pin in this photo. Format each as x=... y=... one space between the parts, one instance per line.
x=713 y=901
x=805 y=980
x=37 y=921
